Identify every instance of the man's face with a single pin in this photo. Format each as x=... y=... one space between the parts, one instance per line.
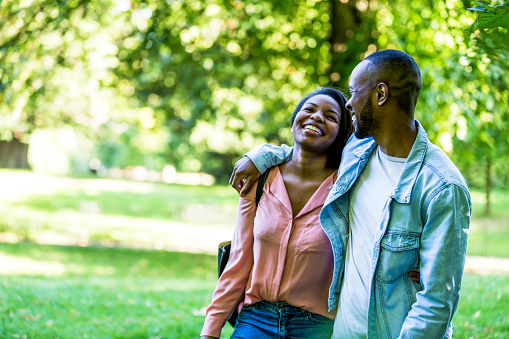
x=360 y=103
x=365 y=123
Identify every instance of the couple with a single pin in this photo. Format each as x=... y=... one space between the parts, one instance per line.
x=398 y=205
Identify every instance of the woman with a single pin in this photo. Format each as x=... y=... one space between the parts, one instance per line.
x=281 y=261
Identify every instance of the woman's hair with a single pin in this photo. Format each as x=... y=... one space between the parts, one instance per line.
x=345 y=123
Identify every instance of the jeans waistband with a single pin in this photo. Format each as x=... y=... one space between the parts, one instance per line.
x=280 y=306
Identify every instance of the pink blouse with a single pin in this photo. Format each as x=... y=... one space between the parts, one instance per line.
x=274 y=256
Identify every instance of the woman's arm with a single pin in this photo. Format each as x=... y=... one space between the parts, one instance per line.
x=232 y=283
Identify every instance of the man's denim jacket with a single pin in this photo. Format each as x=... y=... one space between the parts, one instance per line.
x=424 y=225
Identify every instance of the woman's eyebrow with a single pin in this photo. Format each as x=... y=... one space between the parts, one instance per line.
x=329 y=110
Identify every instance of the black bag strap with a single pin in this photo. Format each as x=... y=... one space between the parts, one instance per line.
x=261 y=183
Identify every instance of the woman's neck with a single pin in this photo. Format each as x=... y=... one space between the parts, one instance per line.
x=303 y=175
x=308 y=165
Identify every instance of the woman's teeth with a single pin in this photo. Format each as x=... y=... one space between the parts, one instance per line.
x=313 y=128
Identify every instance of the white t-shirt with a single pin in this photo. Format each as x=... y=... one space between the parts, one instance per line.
x=368 y=197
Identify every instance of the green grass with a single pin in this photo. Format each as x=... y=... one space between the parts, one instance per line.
x=489 y=236
x=43 y=193
x=499 y=203
x=63 y=210
x=73 y=292
x=483 y=310
x=151 y=215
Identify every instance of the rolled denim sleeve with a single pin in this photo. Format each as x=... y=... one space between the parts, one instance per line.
x=442 y=250
x=266 y=156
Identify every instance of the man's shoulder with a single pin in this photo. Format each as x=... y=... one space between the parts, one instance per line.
x=358 y=146
x=354 y=151
x=438 y=164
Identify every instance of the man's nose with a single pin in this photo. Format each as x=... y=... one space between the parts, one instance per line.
x=348 y=106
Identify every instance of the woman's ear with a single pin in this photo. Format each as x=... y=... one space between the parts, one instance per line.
x=382 y=93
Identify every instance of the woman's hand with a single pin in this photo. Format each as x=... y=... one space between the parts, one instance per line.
x=207 y=337
x=244 y=175
x=415 y=276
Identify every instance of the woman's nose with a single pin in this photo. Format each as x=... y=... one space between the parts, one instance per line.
x=317 y=116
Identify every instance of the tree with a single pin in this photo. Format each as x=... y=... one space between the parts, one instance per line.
x=225 y=76
x=487 y=59
x=197 y=83
x=491 y=16
x=53 y=56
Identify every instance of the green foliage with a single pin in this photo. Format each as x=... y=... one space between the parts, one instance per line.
x=483 y=154
x=463 y=104
x=53 y=58
x=223 y=75
x=197 y=83
x=491 y=16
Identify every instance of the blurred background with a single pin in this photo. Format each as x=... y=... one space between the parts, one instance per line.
x=121 y=120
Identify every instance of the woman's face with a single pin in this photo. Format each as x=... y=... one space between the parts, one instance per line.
x=316 y=125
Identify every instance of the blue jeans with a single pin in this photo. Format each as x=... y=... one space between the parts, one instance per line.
x=266 y=320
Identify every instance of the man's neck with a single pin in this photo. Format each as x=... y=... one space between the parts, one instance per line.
x=397 y=140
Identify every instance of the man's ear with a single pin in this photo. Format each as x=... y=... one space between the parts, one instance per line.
x=382 y=93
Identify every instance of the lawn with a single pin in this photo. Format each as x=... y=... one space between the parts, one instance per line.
x=75 y=292
x=106 y=212
x=117 y=285
x=489 y=236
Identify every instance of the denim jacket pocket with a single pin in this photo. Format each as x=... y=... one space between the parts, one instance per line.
x=399 y=254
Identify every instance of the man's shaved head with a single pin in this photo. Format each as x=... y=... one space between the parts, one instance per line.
x=400 y=72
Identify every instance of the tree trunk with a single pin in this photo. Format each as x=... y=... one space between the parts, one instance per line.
x=13 y=154
x=343 y=18
x=346 y=20
x=488 y=186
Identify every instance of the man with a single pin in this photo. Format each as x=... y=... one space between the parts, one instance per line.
x=399 y=204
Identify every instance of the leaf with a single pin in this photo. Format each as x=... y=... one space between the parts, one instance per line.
x=491 y=16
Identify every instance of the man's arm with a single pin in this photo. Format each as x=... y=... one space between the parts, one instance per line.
x=248 y=169
x=442 y=250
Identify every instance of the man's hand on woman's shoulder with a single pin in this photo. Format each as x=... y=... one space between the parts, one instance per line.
x=244 y=175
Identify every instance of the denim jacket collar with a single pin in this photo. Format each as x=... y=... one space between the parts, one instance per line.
x=403 y=189
x=415 y=160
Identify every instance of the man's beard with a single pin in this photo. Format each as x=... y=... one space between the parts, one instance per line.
x=365 y=121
